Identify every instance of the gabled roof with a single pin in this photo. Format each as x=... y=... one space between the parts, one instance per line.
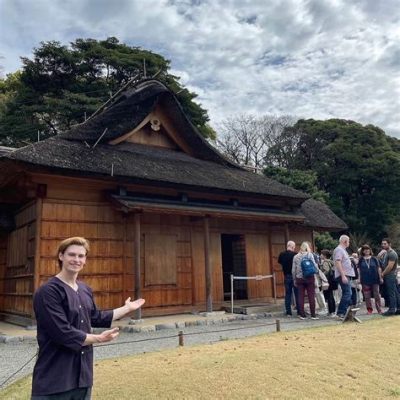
x=131 y=108
x=149 y=164
x=86 y=149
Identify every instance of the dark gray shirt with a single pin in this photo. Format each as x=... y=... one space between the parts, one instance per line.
x=64 y=317
x=390 y=255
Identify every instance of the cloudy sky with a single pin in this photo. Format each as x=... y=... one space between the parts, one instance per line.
x=309 y=58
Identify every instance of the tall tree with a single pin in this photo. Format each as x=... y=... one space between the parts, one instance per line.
x=359 y=166
x=61 y=84
x=246 y=138
x=306 y=181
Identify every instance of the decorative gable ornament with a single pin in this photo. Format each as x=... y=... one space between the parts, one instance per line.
x=155 y=124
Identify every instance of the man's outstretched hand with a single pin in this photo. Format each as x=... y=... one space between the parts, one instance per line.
x=134 y=305
x=106 y=336
x=109 y=335
x=127 y=308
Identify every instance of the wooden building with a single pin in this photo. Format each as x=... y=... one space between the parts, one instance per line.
x=168 y=217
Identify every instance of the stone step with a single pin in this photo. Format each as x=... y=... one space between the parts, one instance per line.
x=252 y=309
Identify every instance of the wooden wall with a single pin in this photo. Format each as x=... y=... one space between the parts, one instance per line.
x=68 y=210
x=17 y=259
x=199 y=281
x=278 y=244
x=159 y=227
x=279 y=237
x=110 y=267
x=105 y=230
x=3 y=266
x=258 y=263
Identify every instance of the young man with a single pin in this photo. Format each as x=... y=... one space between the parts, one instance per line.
x=286 y=261
x=344 y=272
x=65 y=313
x=389 y=266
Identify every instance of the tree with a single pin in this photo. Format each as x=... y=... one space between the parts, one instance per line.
x=324 y=241
x=60 y=85
x=246 y=138
x=306 y=181
x=359 y=166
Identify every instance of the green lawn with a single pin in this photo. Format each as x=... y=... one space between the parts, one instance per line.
x=346 y=361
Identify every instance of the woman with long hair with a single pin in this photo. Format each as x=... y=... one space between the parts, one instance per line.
x=304 y=283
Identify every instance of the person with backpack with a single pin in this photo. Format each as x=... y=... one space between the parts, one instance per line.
x=327 y=268
x=303 y=270
x=370 y=272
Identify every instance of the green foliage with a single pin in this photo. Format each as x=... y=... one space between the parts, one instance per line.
x=60 y=84
x=306 y=181
x=359 y=166
x=357 y=239
x=393 y=232
x=324 y=241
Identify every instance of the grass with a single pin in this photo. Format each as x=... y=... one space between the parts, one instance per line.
x=347 y=361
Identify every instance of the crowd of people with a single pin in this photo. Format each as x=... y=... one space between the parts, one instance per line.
x=338 y=280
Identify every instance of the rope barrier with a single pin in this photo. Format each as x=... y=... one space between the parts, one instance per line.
x=181 y=336
x=15 y=373
x=134 y=341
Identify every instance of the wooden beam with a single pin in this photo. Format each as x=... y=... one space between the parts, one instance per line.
x=207 y=260
x=131 y=133
x=138 y=292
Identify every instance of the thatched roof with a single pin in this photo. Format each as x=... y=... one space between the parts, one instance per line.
x=130 y=109
x=320 y=216
x=75 y=153
x=5 y=150
x=148 y=164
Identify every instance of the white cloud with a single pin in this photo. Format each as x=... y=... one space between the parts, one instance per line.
x=310 y=58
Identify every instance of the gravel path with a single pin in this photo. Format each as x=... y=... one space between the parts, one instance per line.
x=14 y=355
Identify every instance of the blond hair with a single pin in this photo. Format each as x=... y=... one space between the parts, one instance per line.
x=77 y=241
x=305 y=247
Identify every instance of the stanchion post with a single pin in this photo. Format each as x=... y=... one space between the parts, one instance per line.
x=274 y=278
x=231 y=293
x=180 y=338
x=278 y=325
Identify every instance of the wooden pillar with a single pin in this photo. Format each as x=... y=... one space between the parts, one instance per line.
x=38 y=234
x=313 y=241
x=124 y=257
x=207 y=259
x=138 y=292
x=287 y=238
